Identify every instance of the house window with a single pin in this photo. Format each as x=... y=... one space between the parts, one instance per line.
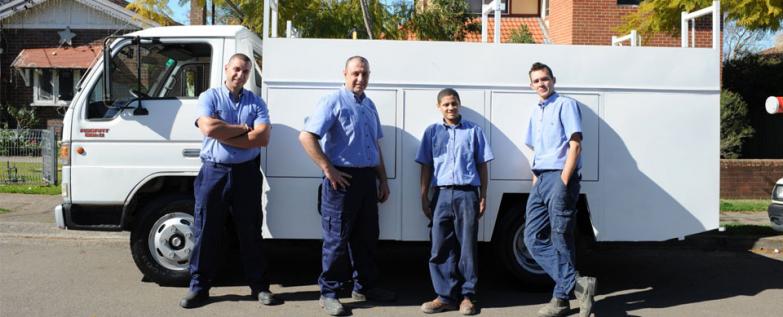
x=630 y=2
x=54 y=87
x=475 y=6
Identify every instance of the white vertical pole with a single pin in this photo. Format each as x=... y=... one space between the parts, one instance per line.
x=683 y=30
x=265 y=27
x=274 y=18
x=543 y=8
x=484 y=21
x=693 y=33
x=497 y=21
x=633 y=38
x=288 y=29
x=716 y=17
x=614 y=41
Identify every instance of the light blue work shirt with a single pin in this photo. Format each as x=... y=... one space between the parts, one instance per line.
x=348 y=128
x=552 y=124
x=247 y=109
x=454 y=152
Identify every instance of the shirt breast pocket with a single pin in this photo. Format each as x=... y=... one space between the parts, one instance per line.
x=440 y=145
x=346 y=119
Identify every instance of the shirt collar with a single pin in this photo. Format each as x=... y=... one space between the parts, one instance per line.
x=548 y=100
x=228 y=92
x=359 y=99
x=459 y=123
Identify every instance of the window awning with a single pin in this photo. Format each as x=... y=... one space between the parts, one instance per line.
x=80 y=57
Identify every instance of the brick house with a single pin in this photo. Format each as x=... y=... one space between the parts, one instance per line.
x=574 y=22
x=47 y=45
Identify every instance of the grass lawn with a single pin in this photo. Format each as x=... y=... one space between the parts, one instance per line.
x=28 y=178
x=30 y=189
x=744 y=204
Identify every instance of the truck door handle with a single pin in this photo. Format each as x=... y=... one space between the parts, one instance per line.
x=191 y=152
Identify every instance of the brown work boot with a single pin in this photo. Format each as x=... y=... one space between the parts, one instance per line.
x=436 y=306
x=467 y=307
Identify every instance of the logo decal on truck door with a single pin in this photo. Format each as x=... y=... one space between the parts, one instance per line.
x=94 y=133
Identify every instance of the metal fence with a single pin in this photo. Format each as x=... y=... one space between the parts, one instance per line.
x=28 y=157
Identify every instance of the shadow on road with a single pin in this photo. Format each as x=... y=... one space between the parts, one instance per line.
x=630 y=278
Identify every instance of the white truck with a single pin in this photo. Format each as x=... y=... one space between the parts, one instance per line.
x=650 y=120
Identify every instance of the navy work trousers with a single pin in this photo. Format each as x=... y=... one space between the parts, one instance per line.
x=549 y=228
x=349 y=221
x=453 y=261
x=222 y=190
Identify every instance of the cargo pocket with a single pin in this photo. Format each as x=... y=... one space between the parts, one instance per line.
x=562 y=210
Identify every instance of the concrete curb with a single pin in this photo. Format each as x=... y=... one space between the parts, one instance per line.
x=35 y=230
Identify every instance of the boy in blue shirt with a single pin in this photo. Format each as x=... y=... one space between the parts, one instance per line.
x=554 y=134
x=453 y=155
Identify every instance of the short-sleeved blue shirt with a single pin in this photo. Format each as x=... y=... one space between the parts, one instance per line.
x=247 y=109
x=348 y=127
x=454 y=152
x=551 y=125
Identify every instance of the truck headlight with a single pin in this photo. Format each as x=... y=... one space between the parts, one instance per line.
x=777 y=193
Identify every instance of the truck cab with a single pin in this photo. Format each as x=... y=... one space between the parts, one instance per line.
x=133 y=152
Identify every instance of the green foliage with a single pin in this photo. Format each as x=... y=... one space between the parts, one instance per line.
x=734 y=125
x=756 y=77
x=329 y=19
x=17 y=117
x=521 y=35
x=18 y=142
x=155 y=10
x=744 y=204
x=444 y=20
x=663 y=16
x=3 y=210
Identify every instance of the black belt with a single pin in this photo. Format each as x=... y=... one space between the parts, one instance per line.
x=243 y=164
x=459 y=187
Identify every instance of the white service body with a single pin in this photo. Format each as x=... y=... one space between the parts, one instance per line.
x=650 y=119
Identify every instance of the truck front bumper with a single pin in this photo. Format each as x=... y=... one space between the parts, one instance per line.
x=59 y=216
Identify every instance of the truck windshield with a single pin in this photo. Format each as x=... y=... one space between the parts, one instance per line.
x=166 y=71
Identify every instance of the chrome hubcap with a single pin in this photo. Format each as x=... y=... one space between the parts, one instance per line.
x=171 y=240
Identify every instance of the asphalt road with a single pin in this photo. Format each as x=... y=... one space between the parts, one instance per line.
x=72 y=276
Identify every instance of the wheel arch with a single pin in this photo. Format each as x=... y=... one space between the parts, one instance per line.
x=508 y=201
x=153 y=186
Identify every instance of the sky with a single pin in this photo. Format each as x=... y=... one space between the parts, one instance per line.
x=181 y=16
x=180 y=12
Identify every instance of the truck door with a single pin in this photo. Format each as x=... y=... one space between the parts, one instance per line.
x=146 y=126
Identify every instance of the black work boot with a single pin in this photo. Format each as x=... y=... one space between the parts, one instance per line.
x=194 y=299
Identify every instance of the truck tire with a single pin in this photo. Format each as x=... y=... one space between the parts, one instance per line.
x=162 y=239
x=509 y=247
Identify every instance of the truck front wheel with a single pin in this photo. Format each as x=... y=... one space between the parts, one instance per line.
x=162 y=241
x=510 y=248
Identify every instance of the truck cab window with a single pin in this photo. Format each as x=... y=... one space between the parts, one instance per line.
x=151 y=71
x=189 y=81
